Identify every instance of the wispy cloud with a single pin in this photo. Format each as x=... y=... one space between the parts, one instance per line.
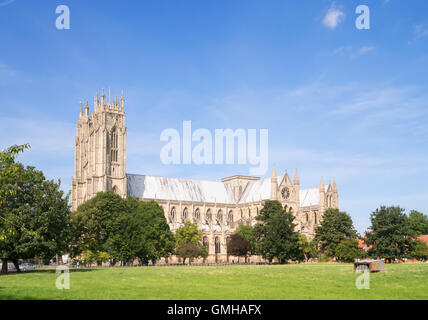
x=333 y=17
x=420 y=31
x=5 y=2
x=364 y=50
x=352 y=52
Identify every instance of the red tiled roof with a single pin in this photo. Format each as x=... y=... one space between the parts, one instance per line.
x=424 y=238
x=362 y=245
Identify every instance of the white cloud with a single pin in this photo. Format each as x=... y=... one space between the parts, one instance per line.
x=364 y=50
x=5 y=2
x=333 y=17
x=352 y=52
x=420 y=31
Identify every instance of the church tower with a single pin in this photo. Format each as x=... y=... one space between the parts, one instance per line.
x=100 y=150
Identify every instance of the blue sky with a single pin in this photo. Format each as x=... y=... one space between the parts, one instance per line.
x=338 y=102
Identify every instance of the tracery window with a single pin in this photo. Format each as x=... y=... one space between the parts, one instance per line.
x=217 y=246
x=197 y=215
x=219 y=216
x=206 y=243
x=208 y=215
x=230 y=216
x=114 y=146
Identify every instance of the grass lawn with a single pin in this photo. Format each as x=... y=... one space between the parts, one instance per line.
x=304 y=281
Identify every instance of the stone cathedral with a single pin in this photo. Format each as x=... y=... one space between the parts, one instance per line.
x=217 y=207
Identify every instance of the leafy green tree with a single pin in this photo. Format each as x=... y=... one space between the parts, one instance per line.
x=275 y=234
x=189 y=234
x=102 y=256
x=335 y=227
x=247 y=232
x=419 y=250
x=148 y=233
x=127 y=229
x=88 y=257
x=307 y=249
x=389 y=234
x=118 y=248
x=34 y=212
x=238 y=246
x=348 y=250
x=97 y=220
x=418 y=223
x=188 y=250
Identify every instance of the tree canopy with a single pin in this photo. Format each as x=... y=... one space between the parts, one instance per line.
x=238 y=246
x=307 y=248
x=275 y=233
x=189 y=242
x=34 y=212
x=348 y=250
x=335 y=227
x=126 y=229
x=389 y=233
x=247 y=232
x=418 y=223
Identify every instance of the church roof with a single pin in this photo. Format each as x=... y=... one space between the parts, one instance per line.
x=256 y=191
x=309 y=197
x=150 y=187
x=161 y=188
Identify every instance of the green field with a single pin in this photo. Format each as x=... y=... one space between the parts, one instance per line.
x=304 y=281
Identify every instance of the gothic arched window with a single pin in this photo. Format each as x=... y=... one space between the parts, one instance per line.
x=184 y=215
x=197 y=215
x=315 y=218
x=172 y=214
x=114 y=146
x=116 y=190
x=208 y=215
x=230 y=217
x=206 y=243
x=217 y=246
x=219 y=216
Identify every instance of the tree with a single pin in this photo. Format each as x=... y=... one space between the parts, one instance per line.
x=189 y=250
x=238 y=246
x=126 y=229
x=418 y=223
x=335 y=227
x=389 y=234
x=148 y=233
x=98 y=220
x=275 y=234
x=247 y=232
x=419 y=250
x=348 y=250
x=34 y=212
x=189 y=234
x=307 y=249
